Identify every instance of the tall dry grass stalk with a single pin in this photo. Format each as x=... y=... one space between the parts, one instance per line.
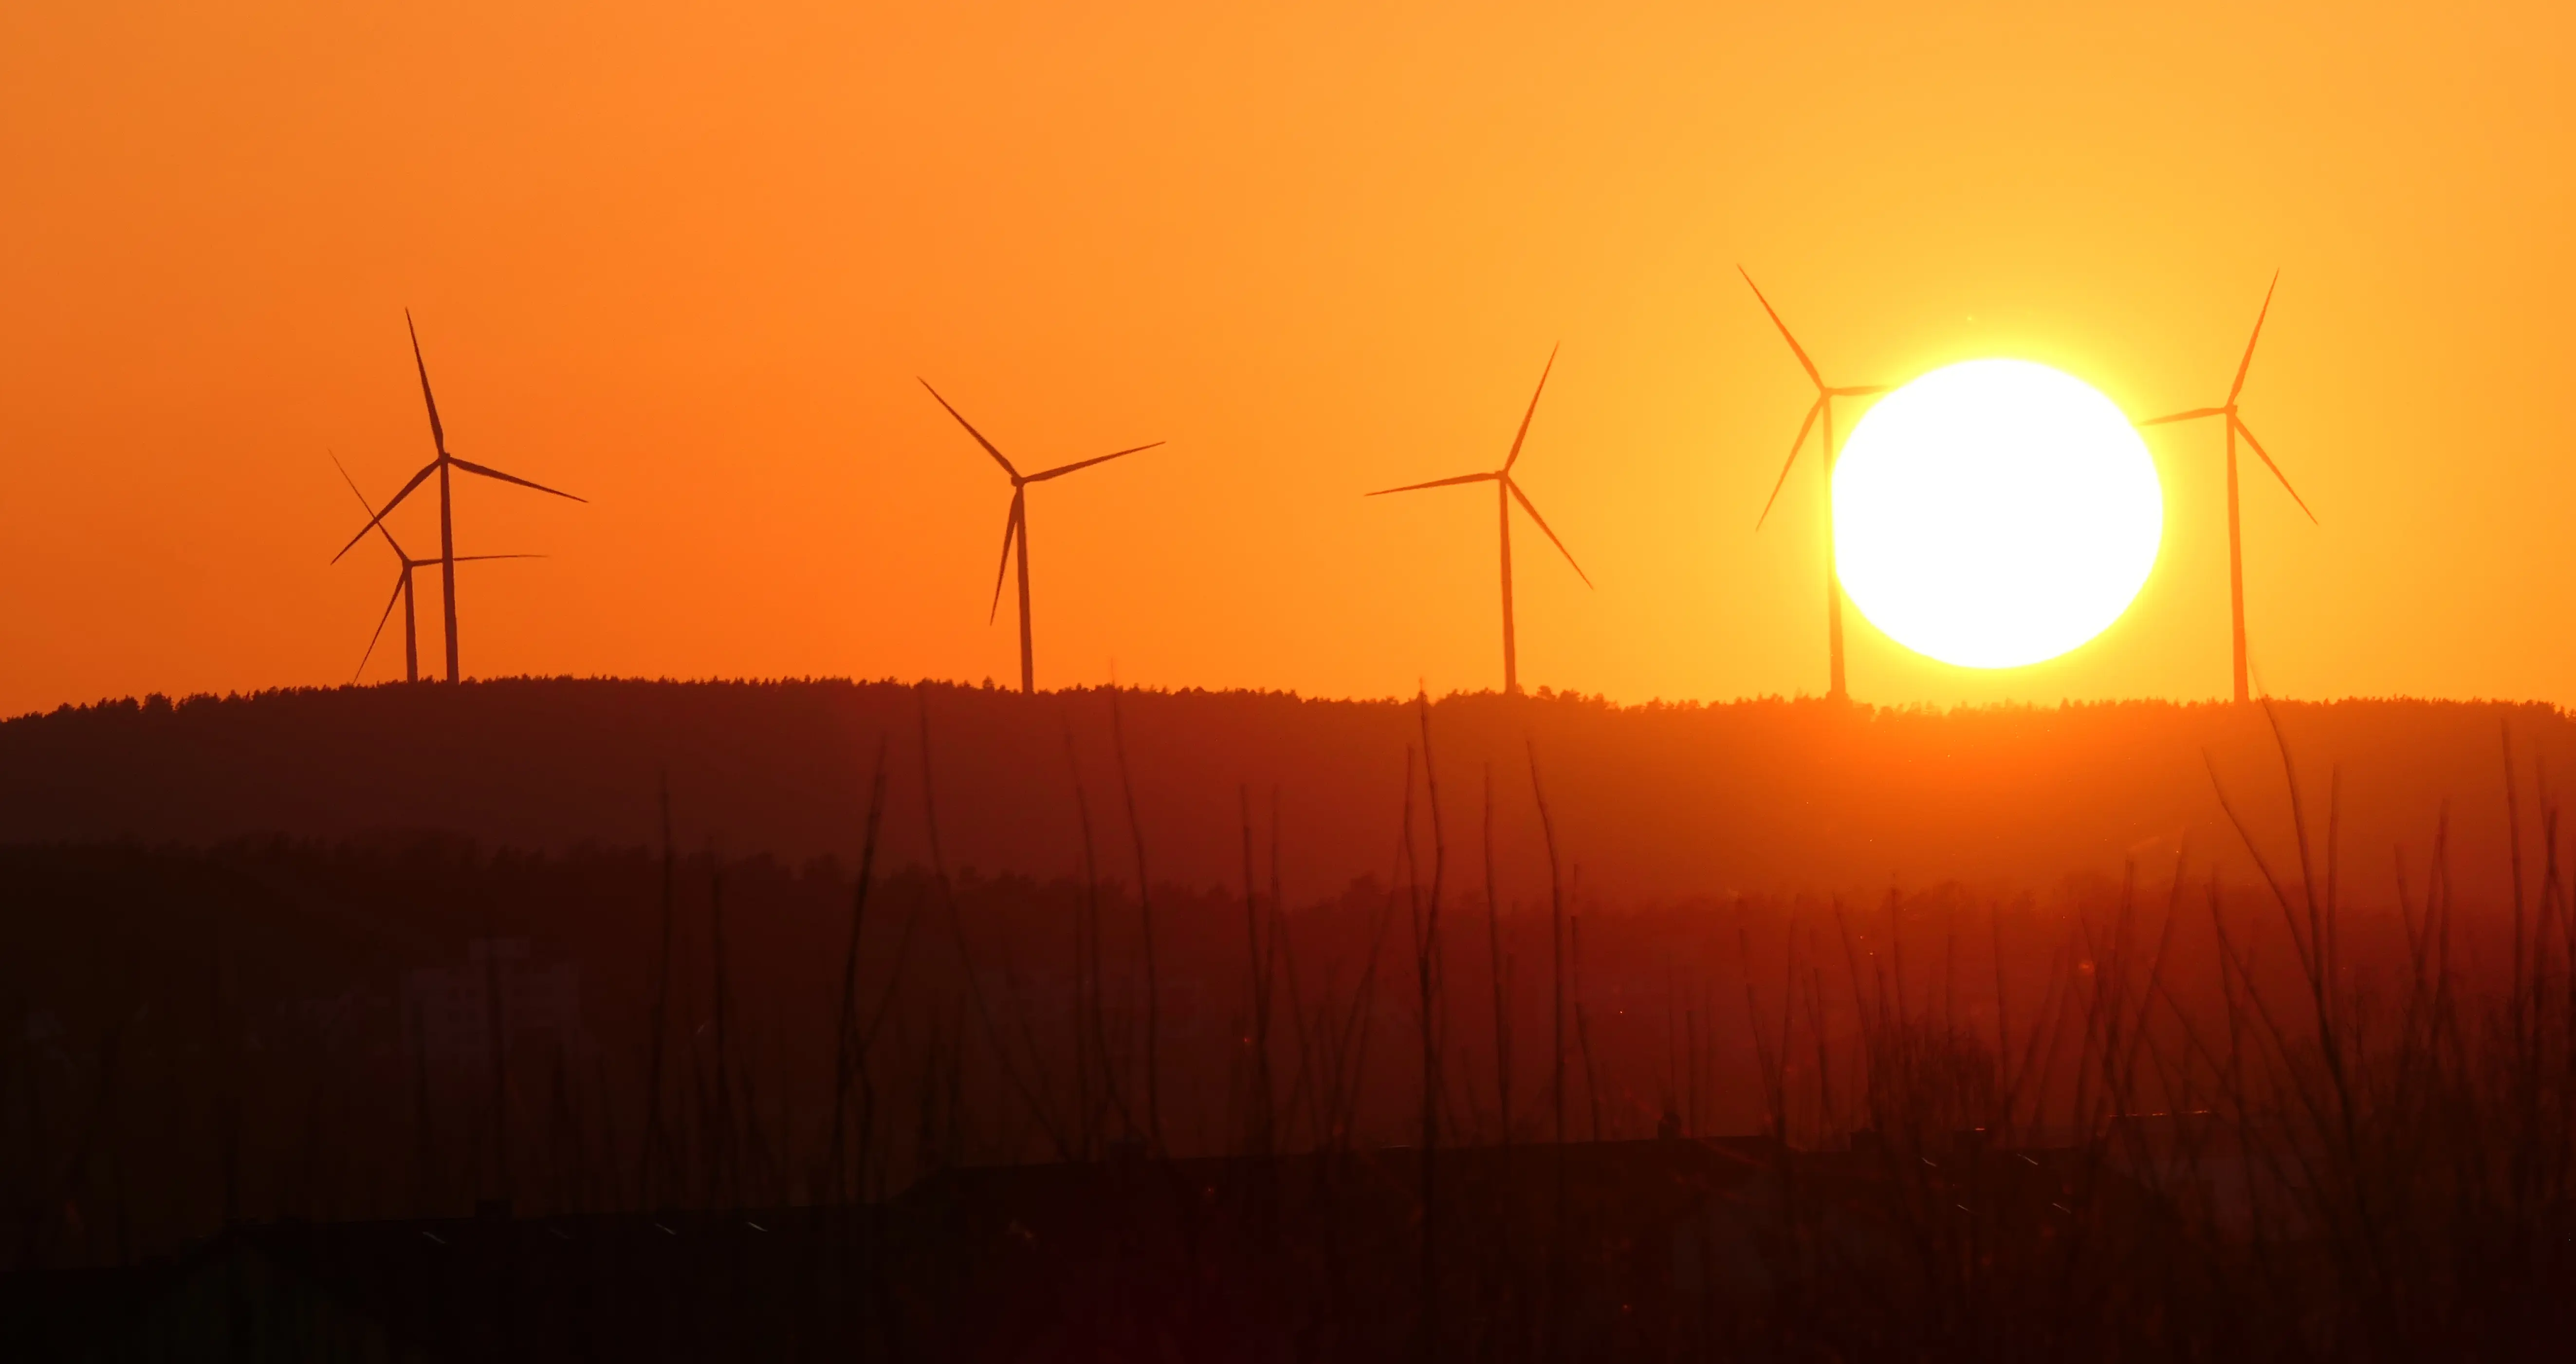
x=2172 y=1121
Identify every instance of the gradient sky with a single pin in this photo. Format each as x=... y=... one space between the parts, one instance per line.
x=688 y=260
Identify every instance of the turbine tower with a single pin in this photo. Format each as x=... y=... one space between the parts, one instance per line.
x=440 y=466
x=2236 y=427
x=1506 y=492
x=403 y=589
x=1015 y=530
x=1820 y=410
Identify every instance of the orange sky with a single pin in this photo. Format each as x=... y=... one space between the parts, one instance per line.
x=687 y=260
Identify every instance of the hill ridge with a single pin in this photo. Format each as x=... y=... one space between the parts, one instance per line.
x=1656 y=799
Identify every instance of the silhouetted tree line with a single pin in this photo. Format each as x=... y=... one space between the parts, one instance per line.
x=1655 y=802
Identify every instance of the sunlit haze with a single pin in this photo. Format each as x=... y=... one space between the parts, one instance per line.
x=689 y=263
x=1393 y=681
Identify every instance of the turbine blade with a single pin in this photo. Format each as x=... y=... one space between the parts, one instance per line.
x=1523 y=499
x=378 y=519
x=2192 y=416
x=401 y=580
x=473 y=468
x=1523 y=434
x=1061 y=470
x=1863 y=391
x=1800 y=351
x=1010 y=534
x=437 y=433
x=478 y=558
x=2248 y=362
x=970 y=430
x=1438 y=483
x=1794 y=446
x=2266 y=457
x=369 y=507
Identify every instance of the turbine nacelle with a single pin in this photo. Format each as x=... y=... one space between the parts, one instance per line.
x=2235 y=428
x=402 y=585
x=440 y=464
x=1510 y=492
x=1015 y=526
x=1821 y=410
x=2236 y=424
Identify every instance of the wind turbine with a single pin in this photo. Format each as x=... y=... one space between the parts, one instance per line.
x=2236 y=427
x=1506 y=492
x=1822 y=409
x=1015 y=530
x=403 y=590
x=440 y=466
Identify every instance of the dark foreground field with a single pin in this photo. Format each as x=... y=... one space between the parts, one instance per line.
x=288 y=1074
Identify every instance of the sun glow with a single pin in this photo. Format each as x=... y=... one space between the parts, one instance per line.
x=1995 y=513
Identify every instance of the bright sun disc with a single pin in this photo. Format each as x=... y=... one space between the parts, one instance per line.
x=1995 y=513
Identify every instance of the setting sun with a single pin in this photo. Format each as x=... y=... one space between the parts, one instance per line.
x=1603 y=617
x=1995 y=513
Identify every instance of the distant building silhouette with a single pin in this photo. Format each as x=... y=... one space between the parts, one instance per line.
x=447 y=1010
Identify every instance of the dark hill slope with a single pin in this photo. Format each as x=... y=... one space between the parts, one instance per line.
x=1651 y=801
